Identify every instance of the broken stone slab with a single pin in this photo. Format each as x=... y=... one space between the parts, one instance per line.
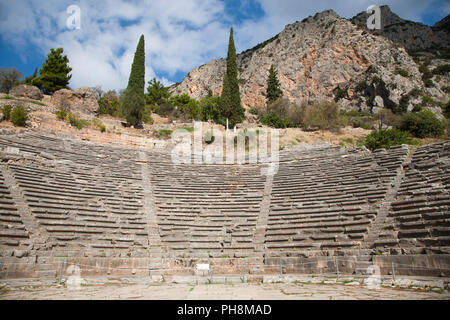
x=47 y=155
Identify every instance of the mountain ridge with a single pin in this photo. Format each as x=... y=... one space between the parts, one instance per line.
x=315 y=58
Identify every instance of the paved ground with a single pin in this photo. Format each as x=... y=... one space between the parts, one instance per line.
x=119 y=289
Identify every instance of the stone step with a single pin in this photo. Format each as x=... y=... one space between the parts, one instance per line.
x=47 y=274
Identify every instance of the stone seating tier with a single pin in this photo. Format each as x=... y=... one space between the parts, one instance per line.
x=62 y=195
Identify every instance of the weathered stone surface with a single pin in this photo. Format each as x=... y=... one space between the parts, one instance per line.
x=315 y=58
x=82 y=99
x=411 y=34
x=196 y=213
x=26 y=91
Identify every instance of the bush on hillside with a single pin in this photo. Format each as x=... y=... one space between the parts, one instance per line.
x=98 y=124
x=163 y=133
x=422 y=124
x=6 y=112
x=147 y=114
x=446 y=110
x=77 y=122
x=388 y=118
x=402 y=72
x=283 y=113
x=109 y=106
x=386 y=139
x=324 y=116
x=165 y=110
x=61 y=115
x=442 y=70
x=19 y=116
x=274 y=120
x=358 y=119
x=254 y=111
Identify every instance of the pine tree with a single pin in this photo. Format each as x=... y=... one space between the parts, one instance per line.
x=134 y=96
x=230 y=100
x=29 y=80
x=157 y=93
x=273 y=92
x=54 y=74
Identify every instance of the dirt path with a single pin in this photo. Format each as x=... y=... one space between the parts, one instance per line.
x=279 y=291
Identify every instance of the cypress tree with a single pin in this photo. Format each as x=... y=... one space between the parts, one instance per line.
x=54 y=74
x=273 y=92
x=134 y=96
x=230 y=100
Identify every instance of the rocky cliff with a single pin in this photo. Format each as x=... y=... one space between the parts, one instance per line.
x=322 y=57
x=412 y=35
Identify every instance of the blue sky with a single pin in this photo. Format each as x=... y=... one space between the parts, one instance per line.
x=180 y=34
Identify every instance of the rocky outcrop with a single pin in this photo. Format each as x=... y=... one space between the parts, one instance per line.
x=412 y=35
x=82 y=100
x=322 y=57
x=26 y=91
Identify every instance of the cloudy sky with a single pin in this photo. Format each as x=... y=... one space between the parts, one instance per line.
x=179 y=34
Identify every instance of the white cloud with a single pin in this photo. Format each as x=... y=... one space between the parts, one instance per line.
x=179 y=34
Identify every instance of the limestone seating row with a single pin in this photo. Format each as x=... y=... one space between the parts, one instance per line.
x=12 y=229
x=202 y=207
x=421 y=211
x=70 y=212
x=90 y=158
x=328 y=203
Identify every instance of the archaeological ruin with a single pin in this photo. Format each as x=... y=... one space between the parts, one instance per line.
x=129 y=211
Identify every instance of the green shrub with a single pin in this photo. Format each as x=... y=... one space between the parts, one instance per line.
x=446 y=110
x=164 y=133
x=77 y=122
x=386 y=139
x=98 y=124
x=7 y=112
x=147 y=114
x=184 y=107
x=61 y=115
x=388 y=118
x=416 y=92
x=403 y=104
x=274 y=120
x=165 y=110
x=362 y=86
x=19 y=116
x=324 y=116
x=446 y=89
x=428 y=83
x=210 y=110
x=417 y=108
x=286 y=111
x=254 y=111
x=340 y=94
x=429 y=102
x=109 y=106
x=402 y=72
x=426 y=74
x=376 y=79
x=188 y=129
x=362 y=122
x=442 y=70
x=422 y=124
